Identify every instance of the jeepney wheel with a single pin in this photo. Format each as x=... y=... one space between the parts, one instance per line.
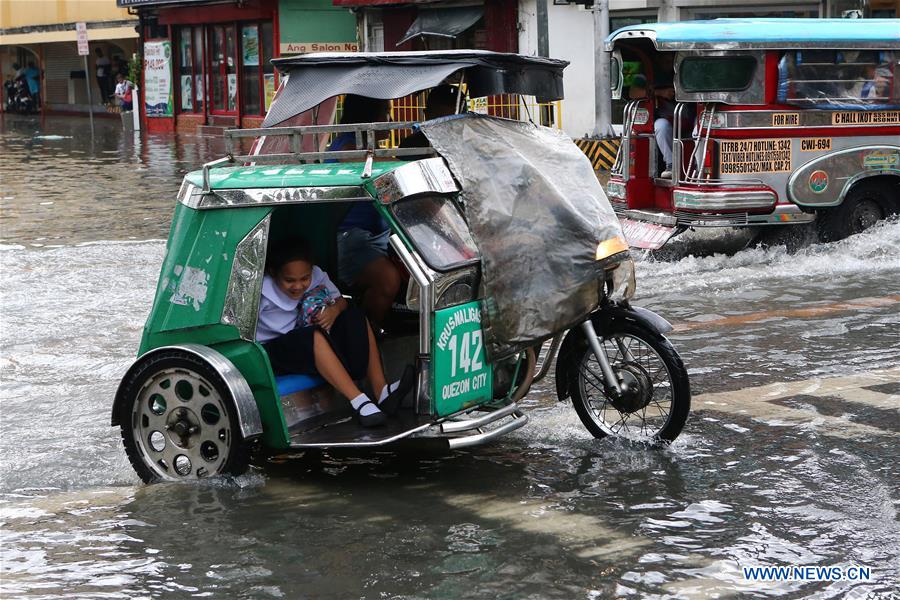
x=656 y=396
x=178 y=421
x=865 y=204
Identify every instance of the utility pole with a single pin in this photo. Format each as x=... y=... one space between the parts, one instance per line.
x=603 y=93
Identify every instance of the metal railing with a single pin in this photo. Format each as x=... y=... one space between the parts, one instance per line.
x=364 y=138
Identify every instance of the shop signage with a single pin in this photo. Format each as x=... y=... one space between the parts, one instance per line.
x=158 y=89
x=303 y=47
x=82 y=39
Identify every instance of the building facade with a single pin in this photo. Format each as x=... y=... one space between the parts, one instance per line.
x=43 y=33
x=208 y=64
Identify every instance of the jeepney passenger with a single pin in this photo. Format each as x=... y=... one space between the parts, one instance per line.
x=362 y=240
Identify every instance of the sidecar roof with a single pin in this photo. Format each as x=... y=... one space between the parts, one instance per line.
x=290 y=176
x=316 y=77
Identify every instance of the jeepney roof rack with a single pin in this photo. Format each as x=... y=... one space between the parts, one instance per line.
x=364 y=134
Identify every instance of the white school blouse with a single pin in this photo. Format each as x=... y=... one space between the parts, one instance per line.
x=278 y=312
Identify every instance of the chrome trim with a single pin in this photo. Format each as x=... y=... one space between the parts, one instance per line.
x=466 y=424
x=655 y=217
x=752 y=94
x=190 y=195
x=519 y=420
x=844 y=168
x=429 y=175
x=681 y=219
x=809 y=117
x=393 y=438
x=244 y=402
x=245 y=283
x=784 y=214
x=232 y=198
x=722 y=200
x=424 y=279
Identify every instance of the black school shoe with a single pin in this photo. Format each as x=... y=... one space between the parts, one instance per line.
x=391 y=404
x=372 y=420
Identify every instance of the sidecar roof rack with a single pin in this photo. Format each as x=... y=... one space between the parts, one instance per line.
x=364 y=134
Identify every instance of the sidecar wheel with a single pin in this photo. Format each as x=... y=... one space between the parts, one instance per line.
x=658 y=399
x=178 y=421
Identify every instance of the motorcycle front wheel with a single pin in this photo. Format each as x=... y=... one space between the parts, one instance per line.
x=656 y=393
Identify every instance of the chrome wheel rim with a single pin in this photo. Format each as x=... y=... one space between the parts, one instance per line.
x=627 y=355
x=181 y=425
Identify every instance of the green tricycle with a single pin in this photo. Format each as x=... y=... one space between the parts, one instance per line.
x=511 y=255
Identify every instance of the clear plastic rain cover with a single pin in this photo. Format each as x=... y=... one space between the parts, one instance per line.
x=537 y=213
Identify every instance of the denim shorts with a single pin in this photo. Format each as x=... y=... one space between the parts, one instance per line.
x=356 y=249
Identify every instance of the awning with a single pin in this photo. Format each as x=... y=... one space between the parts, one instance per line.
x=95 y=34
x=443 y=22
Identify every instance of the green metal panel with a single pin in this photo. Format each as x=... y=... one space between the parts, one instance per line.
x=276 y=176
x=462 y=375
x=253 y=363
x=194 y=276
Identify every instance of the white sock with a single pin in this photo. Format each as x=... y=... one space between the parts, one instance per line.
x=368 y=409
x=387 y=389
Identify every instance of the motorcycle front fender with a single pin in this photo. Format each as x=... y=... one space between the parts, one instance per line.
x=607 y=319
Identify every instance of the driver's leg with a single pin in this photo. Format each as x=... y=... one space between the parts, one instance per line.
x=662 y=128
x=380 y=282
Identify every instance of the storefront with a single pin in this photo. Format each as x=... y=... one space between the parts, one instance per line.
x=208 y=64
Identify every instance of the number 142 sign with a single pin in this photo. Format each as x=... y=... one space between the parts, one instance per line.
x=462 y=376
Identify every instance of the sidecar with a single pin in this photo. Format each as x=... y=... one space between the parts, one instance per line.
x=505 y=236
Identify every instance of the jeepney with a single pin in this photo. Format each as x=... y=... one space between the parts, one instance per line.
x=512 y=252
x=770 y=122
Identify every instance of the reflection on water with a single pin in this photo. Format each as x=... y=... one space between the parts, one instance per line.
x=546 y=513
x=112 y=186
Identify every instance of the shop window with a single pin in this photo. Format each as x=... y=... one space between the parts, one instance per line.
x=190 y=70
x=257 y=72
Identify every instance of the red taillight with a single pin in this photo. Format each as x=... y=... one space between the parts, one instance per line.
x=709 y=160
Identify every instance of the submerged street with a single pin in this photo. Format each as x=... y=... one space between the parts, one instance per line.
x=788 y=457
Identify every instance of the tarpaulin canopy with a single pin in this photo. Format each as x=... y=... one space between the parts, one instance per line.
x=537 y=213
x=314 y=78
x=443 y=22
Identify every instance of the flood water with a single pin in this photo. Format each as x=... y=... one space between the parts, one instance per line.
x=807 y=477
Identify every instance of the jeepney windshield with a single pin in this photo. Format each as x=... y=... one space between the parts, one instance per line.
x=437 y=230
x=857 y=79
x=716 y=73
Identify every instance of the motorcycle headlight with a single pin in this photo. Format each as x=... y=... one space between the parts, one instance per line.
x=457 y=288
x=623 y=281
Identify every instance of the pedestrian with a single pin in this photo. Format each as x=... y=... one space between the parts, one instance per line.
x=124 y=92
x=104 y=75
x=33 y=78
x=307 y=327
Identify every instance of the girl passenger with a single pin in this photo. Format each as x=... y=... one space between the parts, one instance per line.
x=306 y=327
